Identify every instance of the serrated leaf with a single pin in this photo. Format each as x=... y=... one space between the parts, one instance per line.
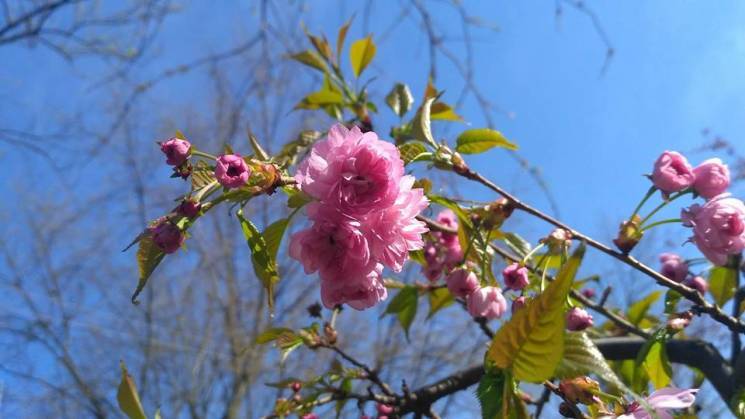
x=639 y=309
x=722 y=283
x=264 y=264
x=148 y=257
x=443 y=112
x=422 y=124
x=489 y=394
x=475 y=141
x=310 y=58
x=439 y=298
x=127 y=396
x=411 y=151
x=531 y=343
x=404 y=306
x=582 y=357
x=361 y=53
x=400 y=99
x=201 y=175
x=272 y=334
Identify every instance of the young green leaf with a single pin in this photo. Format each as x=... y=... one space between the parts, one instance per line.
x=582 y=357
x=490 y=392
x=311 y=59
x=722 y=282
x=127 y=396
x=639 y=309
x=400 y=99
x=411 y=151
x=443 y=112
x=531 y=343
x=264 y=264
x=652 y=363
x=342 y=36
x=148 y=257
x=361 y=54
x=474 y=141
x=439 y=298
x=404 y=305
x=272 y=334
x=422 y=124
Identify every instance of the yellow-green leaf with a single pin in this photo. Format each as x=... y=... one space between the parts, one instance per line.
x=310 y=58
x=400 y=99
x=722 y=282
x=531 y=343
x=443 y=112
x=657 y=365
x=148 y=257
x=127 y=397
x=411 y=151
x=272 y=334
x=361 y=53
x=639 y=309
x=475 y=141
x=404 y=305
x=320 y=98
x=582 y=357
x=264 y=264
x=439 y=298
x=422 y=124
x=342 y=36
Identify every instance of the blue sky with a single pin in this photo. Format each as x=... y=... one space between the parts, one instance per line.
x=677 y=69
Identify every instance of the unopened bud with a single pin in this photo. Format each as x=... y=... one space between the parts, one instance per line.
x=330 y=333
x=558 y=241
x=580 y=390
x=296 y=386
x=578 y=319
x=565 y=410
x=629 y=234
x=679 y=321
x=189 y=208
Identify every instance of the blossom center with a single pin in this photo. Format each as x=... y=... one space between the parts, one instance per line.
x=233 y=171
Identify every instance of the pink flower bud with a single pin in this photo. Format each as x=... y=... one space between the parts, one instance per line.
x=296 y=386
x=166 y=235
x=712 y=178
x=673 y=267
x=515 y=277
x=384 y=409
x=518 y=303
x=176 y=151
x=672 y=172
x=232 y=171
x=189 y=208
x=698 y=283
x=309 y=416
x=462 y=282
x=588 y=293
x=578 y=319
x=718 y=227
x=486 y=302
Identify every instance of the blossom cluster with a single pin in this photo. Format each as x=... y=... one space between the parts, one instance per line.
x=719 y=224
x=442 y=250
x=675 y=268
x=364 y=216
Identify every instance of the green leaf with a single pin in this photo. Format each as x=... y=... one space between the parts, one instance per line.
x=475 y=141
x=443 y=112
x=272 y=334
x=439 y=298
x=582 y=357
x=201 y=175
x=320 y=98
x=274 y=233
x=639 y=309
x=342 y=36
x=657 y=365
x=531 y=343
x=400 y=99
x=361 y=53
x=449 y=203
x=520 y=246
x=127 y=397
x=264 y=264
x=411 y=151
x=722 y=282
x=422 y=124
x=310 y=58
x=737 y=404
x=148 y=257
x=490 y=392
x=671 y=301
x=404 y=305
x=258 y=149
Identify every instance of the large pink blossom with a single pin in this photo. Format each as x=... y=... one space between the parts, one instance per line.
x=356 y=172
x=662 y=401
x=231 y=171
x=718 y=227
x=672 y=172
x=335 y=245
x=395 y=231
x=359 y=292
x=712 y=178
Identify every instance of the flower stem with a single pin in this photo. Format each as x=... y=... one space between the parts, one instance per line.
x=198 y=153
x=662 y=205
x=656 y=223
x=531 y=253
x=650 y=192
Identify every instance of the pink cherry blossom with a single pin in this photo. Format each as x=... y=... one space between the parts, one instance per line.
x=176 y=151
x=356 y=172
x=462 y=282
x=486 y=302
x=231 y=171
x=662 y=401
x=442 y=250
x=672 y=172
x=515 y=277
x=578 y=319
x=718 y=227
x=166 y=235
x=519 y=303
x=359 y=292
x=712 y=178
x=335 y=245
x=673 y=267
x=395 y=231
